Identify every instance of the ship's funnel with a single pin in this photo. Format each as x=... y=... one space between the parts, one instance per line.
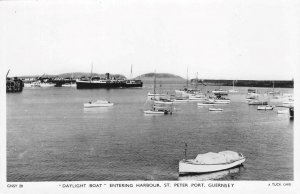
x=107 y=75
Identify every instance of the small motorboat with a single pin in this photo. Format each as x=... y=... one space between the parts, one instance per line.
x=267 y=107
x=161 y=107
x=291 y=111
x=286 y=111
x=206 y=103
x=35 y=84
x=181 y=100
x=258 y=102
x=233 y=91
x=45 y=85
x=220 y=92
x=252 y=91
x=215 y=109
x=154 y=94
x=211 y=162
x=159 y=112
x=69 y=85
x=197 y=98
x=249 y=99
x=222 y=101
x=98 y=103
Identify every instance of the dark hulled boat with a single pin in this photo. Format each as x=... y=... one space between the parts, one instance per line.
x=291 y=110
x=97 y=82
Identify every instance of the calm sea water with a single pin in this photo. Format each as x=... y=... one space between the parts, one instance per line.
x=51 y=137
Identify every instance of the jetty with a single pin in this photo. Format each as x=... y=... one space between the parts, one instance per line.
x=13 y=84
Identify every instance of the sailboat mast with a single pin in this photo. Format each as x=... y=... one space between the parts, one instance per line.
x=185 y=151
x=154 y=88
x=187 y=77
x=131 y=72
x=196 y=81
x=7 y=73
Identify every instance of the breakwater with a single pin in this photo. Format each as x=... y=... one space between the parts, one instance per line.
x=247 y=83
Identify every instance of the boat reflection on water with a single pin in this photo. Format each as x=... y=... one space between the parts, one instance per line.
x=228 y=174
x=97 y=110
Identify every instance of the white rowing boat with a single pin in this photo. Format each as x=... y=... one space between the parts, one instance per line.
x=211 y=162
x=215 y=109
x=98 y=103
x=206 y=103
x=283 y=111
x=267 y=107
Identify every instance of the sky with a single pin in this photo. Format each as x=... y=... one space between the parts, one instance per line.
x=218 y=39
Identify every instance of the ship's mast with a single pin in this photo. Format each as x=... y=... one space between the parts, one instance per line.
x=154 y=87
x=7 y=73
x=187 y=77
x=131 y=72
x=233 y=84
x=196 y=86
x=91 y=73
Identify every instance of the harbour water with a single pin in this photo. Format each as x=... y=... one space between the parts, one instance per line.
x=51 y=137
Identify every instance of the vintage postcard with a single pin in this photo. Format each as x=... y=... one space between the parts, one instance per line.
x=149 y=96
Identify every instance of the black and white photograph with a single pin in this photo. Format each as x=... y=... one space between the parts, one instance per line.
x=194 y=95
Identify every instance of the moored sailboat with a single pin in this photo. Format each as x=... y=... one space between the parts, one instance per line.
x=155 y=95
x=233 y=90
x=161 y=107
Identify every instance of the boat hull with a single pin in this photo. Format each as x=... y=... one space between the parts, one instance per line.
x=115 y=84
x=197 y=99
x=181 y=101
x=222 y=101
x=88 y=105
x=215 y=109
x=220 y=93
x=155 y=95
x=264 y=108
x=154 y=112
x=186 y=167
x=257 y=103
x=205 y=104
x=282 y=111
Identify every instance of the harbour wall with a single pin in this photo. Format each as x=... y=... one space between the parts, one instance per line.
x=247 y=83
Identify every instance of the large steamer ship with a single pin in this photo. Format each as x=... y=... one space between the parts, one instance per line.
x=107 y=82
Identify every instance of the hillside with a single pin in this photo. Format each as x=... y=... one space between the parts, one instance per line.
x=159 y=75
x=148 y=78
